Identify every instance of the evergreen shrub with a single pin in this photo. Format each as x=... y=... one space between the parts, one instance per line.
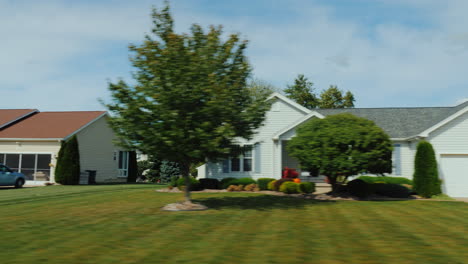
x=271 y=185
x=67 y=170
x=194 y=184
x=237 y=181
x=307 y=187
x=167 y=170
x=359 y=188
x=278 y=183
x=289 y=187
x=391 y=190
x=208 y=183
x=386 y=179
x=263 y=183
x=226 y=182
x=426 y=177
x=173 y=181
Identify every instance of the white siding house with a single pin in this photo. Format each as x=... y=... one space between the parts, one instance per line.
x=445 y=127
x=30 y=142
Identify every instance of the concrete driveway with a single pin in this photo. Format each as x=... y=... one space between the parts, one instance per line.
x=463 y=199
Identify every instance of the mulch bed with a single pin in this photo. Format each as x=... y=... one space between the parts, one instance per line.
x=321 y=197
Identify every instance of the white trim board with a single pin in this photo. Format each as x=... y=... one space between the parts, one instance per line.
x=426 y=132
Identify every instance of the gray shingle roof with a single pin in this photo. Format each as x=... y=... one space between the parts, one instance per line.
x=400 y=122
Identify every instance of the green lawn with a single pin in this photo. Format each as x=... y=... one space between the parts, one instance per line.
x=124 y=224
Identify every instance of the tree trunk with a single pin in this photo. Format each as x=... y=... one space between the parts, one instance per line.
x=185 y=170
x=332 y=181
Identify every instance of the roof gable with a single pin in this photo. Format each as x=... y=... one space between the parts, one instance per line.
x=50 y=125
x=290 y=102
x=10 y=116
x=400 y=122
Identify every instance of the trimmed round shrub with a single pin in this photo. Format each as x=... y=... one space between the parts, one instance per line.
x=271 y=185
x=307 y=187
x=278 y=183
x=263 y=183
x=237 y=181
x=391 y=190
x=208 y=183
x=194 y=184
x=359 y=188
x=289 y=187
x=386 y=179
x=226 y=182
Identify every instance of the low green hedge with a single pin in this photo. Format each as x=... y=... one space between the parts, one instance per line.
x=386 y=179
x=263 y=183
x=194 y=184
x=226 y=182
x=391 y=190
x=359 y=188
x=208 y=183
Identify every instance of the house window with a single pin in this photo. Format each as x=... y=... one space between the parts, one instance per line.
x=123 y=163
x=238 y=164
x=34 y=166
x=235 y=164
x=247 y=160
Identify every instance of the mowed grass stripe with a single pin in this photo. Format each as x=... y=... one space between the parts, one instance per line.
x=126 y=225
x=417 y=235
x=84 y=235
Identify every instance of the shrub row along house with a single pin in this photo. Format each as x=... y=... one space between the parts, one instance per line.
x=30 y=141
x=445 y=127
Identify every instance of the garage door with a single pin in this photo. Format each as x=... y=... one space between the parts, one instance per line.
x=454 y=173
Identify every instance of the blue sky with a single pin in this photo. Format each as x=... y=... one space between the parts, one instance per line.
x=59 y=55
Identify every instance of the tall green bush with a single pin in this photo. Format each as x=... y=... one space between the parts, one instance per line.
x=426 y=177
x=67 y=170
x=167 y=170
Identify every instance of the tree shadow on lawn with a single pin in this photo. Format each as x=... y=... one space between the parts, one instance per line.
x=260 y=203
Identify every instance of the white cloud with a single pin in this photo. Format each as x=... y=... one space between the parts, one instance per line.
x=46 y=48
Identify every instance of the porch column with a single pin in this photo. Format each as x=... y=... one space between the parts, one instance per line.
x=277 y=158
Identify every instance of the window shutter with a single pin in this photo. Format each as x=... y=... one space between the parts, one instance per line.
x=257 y=158
x=226 y=166
x=397 y=159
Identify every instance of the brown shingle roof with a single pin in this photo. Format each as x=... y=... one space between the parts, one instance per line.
x=50 y=124
x=10 y=115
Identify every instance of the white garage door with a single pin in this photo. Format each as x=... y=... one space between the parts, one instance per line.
x=454 y=170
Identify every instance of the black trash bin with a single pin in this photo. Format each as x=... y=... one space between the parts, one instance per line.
x=91 y=176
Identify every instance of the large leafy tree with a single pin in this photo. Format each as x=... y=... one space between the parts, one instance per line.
x=190 y=100
x=303 y=92
x=342 y=145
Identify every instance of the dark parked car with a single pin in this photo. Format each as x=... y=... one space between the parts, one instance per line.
x=10 y=178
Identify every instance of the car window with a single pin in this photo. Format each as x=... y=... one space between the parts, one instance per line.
x=4 y=169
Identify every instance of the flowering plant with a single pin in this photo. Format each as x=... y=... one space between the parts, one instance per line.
x=290 y=173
